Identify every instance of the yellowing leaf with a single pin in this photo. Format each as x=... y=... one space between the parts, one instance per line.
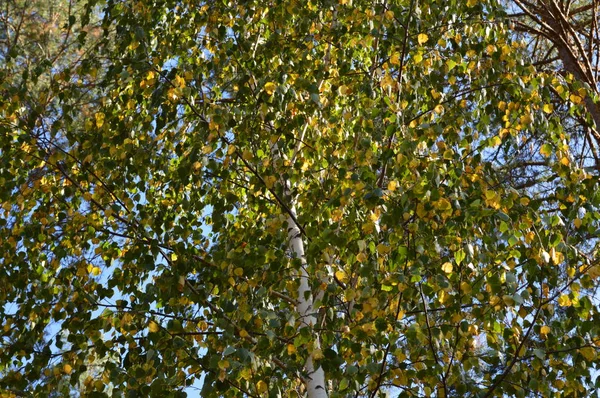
x=443 y=204
x=565 y=161
x=575 y=99
x=564 y=301
x=422 y=38
x=270 y=181
x=383 y=249
x=594 y=272
x=556 y=256
x=546 y=150
x=526 y=119
x=270 y=88
x=196 y=166
x=67 y=369
x=243 y=333
x=153 y=327
x=99 y=119
x=291 y=349
x=392 y=185
x=341 y=276
x=465 y=287
x=447 y=267
x=223 y=364
x=496 y=141
x=247 y=155
x=179 y=82
x=577 y=222
x=96 y=271
x=361 y=257
x=238 y=271
x=471 y=3
x=548 y=108
x=343 y=90
x=439 y=109
x=588 y=353
x=544 y=330
x=261 y=386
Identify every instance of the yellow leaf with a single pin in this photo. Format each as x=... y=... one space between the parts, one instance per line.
x=564 y=301
x=270 y=181
x=341 y=276
x=196 y=166
x=243 y=333
x=392 y=185
x=361 y=257
x=96 y=271
x=270 y=88
x=443 y=204
x=153 y=327
x=261 y=386
x=496 y=141
x=524 y=201
x=99 y=119
x=546 y=150
x=238 y=271
x=588 y=353
x=526 y=119
x=247 y=155
x=395 y=59
x=447 y=267
x=383 y=249
x=594 y=272
x=577 y=222
x=179 y=81
x=565 y=161
x=422 y=38
x=291 y=349
x=418 y=57
x=544 y=330
x=471 y=3
x=223 y=364
x=557 y=257
x=465 y=287
x=502 y=105
x=575 y=99
x=548 y=108
x=67 y=369
x=439 y=109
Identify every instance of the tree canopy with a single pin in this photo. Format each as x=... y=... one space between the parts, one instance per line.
x=320 y=198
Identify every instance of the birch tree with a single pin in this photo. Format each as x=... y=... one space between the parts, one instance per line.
x=320 y=199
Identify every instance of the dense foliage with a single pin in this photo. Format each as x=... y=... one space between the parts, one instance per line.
x=330 y=198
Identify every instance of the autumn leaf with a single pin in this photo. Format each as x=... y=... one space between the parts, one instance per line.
x=153 y=327
x=270 y=88
x=447 y=267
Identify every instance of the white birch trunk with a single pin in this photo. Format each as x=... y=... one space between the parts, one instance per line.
x=315 y=384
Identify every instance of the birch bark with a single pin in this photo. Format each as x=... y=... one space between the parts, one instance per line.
x=315 y=377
